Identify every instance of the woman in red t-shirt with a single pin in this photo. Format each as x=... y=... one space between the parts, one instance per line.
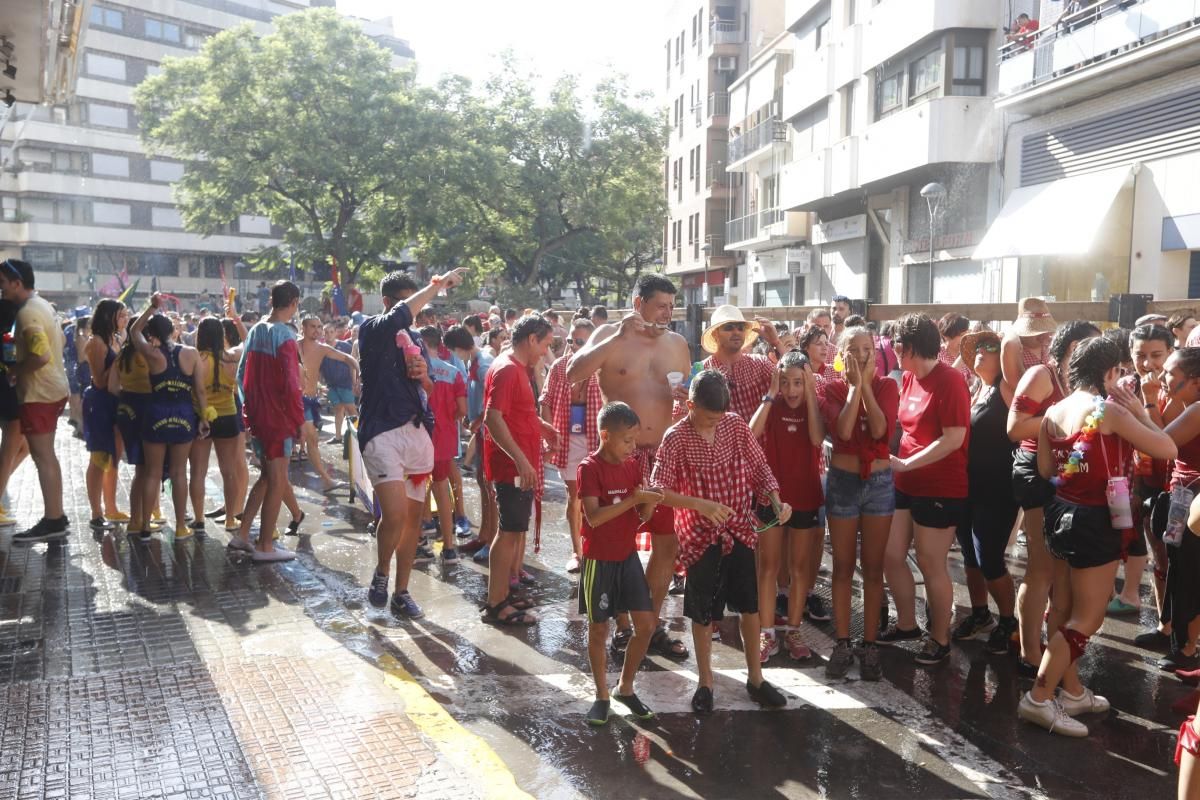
x=1040 y=387
x=1085 y=447
x=788 y=422
x=931 y=485
x=860 y=413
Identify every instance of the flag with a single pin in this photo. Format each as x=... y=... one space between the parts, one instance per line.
x=114 y=285
x=339 y=299
x=129 y=292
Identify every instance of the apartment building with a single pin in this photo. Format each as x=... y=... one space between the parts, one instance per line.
x=705 y=49
x=81 y=200
x=1101 y=153
x=883 y=98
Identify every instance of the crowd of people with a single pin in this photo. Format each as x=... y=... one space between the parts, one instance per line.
x=903 y=441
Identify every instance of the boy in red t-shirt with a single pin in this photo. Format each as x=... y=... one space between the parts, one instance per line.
x=611 y=579
x=448 y=402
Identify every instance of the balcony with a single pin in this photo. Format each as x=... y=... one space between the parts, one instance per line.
x=718 y=105
x=843 y=174
x=806 y=181
x=893 y=26
x=940 y=131
x=809 y=81
x=716 y=179
x=1116 y=42
x=766 y=133
x=725 y=32
x=767 y=228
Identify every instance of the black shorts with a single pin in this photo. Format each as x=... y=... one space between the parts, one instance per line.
x=1083 y=536
x=933 y=512
x=607 y=588
x=9 y=407
x=983 y=537
x=516 y=507
x=800 y=520
x=1029 y=488
x=226 y=427
x=717 y=582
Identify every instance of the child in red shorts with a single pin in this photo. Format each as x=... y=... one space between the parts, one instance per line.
x=448 y=402
x=611 y=579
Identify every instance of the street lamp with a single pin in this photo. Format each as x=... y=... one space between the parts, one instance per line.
x=706 y=248
x=933 y=193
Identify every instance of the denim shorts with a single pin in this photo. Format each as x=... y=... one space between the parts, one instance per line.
x=848 y=496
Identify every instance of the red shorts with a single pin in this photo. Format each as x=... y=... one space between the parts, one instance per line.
x=662 y=521
x=441 y=469
x=39 y=418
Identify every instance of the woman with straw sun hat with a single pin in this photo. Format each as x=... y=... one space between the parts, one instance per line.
x=1027 y=341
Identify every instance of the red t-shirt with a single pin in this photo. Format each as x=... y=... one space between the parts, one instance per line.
x=860 y=443
x=448 y=386
x=794 y=458
x=610 y=483
x=509 y=390
x=927 y=407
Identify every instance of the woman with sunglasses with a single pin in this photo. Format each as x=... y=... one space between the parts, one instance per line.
x=572 y=409
x=860 y=409
x=1040 y=387
x=931 y=485
x=1085 y=448
x=991 y=511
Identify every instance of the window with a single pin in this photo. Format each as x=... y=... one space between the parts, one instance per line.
x=99 y=66
x=165 y=218
x=110 y=213
x=889 y=95
x=107 y=164
x=165 y=171
x=36 y=210
x=107 y=116
x=968 y=72
x=925 y=74
x=107 y=18
x=252 y=224
x=849 y=99
x=166 y=31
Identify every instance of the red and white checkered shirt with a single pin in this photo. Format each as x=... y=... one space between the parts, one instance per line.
x=945 y=357
x=1031 y=358
x=728 y=470
x=749 y=378
x=556 y=395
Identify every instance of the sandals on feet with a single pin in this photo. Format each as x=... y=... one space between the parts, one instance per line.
x=518 y=617
x=519 y=603
x=662 y=644
x=620 y=641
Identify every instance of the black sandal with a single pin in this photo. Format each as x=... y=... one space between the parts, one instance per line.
x=519 y=603
x=620 y=641
x=662 y=644
x=293 y=528
x=518 y=617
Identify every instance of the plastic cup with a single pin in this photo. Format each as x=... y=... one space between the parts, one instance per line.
x=674 y=379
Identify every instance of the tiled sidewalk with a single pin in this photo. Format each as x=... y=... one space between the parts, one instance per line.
x=173 y=671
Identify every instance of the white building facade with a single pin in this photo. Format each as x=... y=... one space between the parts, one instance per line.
x=81 y=200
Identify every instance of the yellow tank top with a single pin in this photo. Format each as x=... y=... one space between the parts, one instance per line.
x=220 y=398
x=137 y=378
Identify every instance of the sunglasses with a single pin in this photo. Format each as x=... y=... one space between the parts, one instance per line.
x=731 y=327
x=989 y=347
x=579 y=342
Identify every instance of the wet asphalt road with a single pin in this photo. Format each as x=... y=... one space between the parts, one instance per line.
x=944 y=732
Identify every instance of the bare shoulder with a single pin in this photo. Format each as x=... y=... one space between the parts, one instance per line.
x=603 y=333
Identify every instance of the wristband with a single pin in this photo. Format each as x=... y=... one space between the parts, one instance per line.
x=210 y=414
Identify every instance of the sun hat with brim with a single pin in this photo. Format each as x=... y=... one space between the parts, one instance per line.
x=1033 y=318
x=723 y=315
x=970 y=343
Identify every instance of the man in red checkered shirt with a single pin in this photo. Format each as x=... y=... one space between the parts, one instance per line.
x=709 y=468
x=748 y=376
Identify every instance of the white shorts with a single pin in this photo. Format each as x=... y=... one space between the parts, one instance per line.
x=404 y=452
x=577 y=451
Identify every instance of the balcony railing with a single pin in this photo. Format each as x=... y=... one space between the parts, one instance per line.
x=724 y=32
x=1099 y=31
x=718 y=104
x=769 y=216
x=715 y=174
x=742 y=228
x=699 y=112
x=761 y=135
x=716 y=245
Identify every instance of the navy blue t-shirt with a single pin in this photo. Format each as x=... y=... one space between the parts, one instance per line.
x=390 y=398
x=336 y=374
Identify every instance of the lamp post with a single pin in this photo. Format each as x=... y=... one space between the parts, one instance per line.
x=706 y=248
x=933 y=194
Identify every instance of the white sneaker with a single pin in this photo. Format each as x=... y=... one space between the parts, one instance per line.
x=573 y=564
x=276 y=554
x=1051 y=716
x=1086 y=703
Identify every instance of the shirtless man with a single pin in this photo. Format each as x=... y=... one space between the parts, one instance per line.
x=312 y=352
x=633 y=358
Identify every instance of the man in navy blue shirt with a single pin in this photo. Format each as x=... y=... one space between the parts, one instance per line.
x=395 y=426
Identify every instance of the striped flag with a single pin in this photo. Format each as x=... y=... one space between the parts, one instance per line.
x=129 y=292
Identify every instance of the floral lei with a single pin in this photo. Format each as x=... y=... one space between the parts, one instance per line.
x=1091 y=427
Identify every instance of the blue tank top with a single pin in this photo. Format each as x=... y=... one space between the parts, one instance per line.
x=171 y=385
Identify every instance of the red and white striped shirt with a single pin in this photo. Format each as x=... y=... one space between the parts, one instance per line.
x=728 y=470
x=749 y=377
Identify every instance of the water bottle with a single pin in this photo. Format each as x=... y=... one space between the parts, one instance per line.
x=1119 y=510
x=1177 y=514
x=9 y=355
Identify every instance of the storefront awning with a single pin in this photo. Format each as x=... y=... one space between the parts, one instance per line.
x=1058 y=218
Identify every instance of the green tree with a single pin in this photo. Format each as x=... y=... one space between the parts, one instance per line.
x=559 y=193
x=309 y=126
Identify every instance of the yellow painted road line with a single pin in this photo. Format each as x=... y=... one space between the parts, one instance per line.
x=468 y=753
